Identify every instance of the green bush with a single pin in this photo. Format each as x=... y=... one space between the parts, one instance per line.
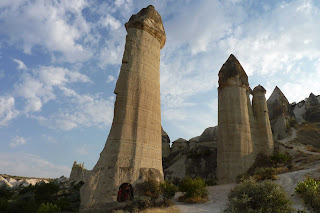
x=6 y=192
x=265 y=174
x=261 y=161
x=168 y=190
x=309 y=184
x=151 y=188
x=194 y=190
x=4 y=205
x=280 y=158
x=257 y=197
x=142 y=202
x=309 y=191
x=242 y=177
x=48 y=208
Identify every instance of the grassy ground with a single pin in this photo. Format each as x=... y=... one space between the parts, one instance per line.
x=171 y=209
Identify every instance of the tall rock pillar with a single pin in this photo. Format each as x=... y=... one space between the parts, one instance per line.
x=263 y=140
x=234 y=132
x=132 y=152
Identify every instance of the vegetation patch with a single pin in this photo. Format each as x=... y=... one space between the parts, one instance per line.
x=194 y=190
x=256 y=197
x=42 y=197
x=309 y=191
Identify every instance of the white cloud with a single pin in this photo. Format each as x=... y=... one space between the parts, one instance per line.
x=111 y=22
x=17 y=141
x=7 y=110
x=110 y=78
x=276 y=40
x=57 y=26
x=40 y=88
x=30 y=165
x=49 y=139
x=21 y=65
x=88 y=111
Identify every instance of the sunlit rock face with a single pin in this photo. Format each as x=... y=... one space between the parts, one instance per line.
x=240 y=126
x=78 y=172
x=132 y=153
x=280 y=114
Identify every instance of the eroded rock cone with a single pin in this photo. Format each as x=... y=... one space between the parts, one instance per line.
x=132 y=153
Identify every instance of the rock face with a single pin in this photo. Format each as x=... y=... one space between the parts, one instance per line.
x=280 y=114
x=132 y=153
x=165 y=144
x=312 y=109
x=195 y=158
x=78 y=172
x=262 y=140
x=241 y=127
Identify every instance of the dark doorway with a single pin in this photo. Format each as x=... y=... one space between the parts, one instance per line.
x=125 y=192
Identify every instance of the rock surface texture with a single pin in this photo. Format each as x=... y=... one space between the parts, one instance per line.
x=280 y=114
x=78 y=172
x=132 y=153
x=243 y=130
x=195 y=158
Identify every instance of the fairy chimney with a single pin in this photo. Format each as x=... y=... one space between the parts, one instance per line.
x=132 y=153
x=243 y=131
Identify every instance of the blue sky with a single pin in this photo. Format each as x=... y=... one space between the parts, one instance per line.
x=59 y=61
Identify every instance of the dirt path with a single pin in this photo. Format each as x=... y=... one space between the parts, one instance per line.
x=218 y=197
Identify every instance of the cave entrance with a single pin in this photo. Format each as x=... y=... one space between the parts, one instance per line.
x=125 y=192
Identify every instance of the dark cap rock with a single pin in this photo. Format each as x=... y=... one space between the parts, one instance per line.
x=148 y=19
x=259 y=89
x=233 y=70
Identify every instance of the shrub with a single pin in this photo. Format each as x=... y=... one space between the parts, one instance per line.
x=253 y=197
x=168 y=190
x=194 y=190
x=211 y=182
x=279 y=158
x=261 y=161
x=142 y=202
x=151 y=188
x=242 y=177
x=48 y=208
x=6 y=192
x=309 y=191
x=265 y=174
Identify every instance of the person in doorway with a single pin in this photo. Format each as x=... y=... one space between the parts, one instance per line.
x=119 y=198
x=127 y=195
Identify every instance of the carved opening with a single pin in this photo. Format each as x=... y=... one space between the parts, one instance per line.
x=125 y=192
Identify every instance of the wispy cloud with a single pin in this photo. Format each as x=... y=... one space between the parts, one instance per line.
x=30 y=165
x=39 y=87
x=7 y=110
x=47 y=24
x=17 y=141
x=21 y=65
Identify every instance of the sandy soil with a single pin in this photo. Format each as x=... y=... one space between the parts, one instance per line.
x=218 y=197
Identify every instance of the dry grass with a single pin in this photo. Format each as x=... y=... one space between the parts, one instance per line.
x=171 y=209
x=193 y=199
x=311 y=148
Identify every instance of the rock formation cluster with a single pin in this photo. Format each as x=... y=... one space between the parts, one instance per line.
x=132 y=153
x=244 y=128
x=196 y=157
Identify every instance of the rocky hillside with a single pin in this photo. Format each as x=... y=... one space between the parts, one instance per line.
x=194 y=157
x=298 y=124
